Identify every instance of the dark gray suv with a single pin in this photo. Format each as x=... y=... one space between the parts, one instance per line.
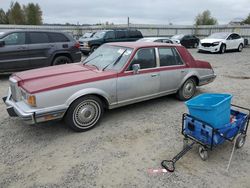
x=23 y=49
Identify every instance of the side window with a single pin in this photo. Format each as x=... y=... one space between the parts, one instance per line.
x=110 y=35
x=235 y=36
x=169 y=57
x=120 y=34
x=15 y=39
x=57 y=37
x=230 y=37
x=145 y=58
x=38 y=38
x=159 y=40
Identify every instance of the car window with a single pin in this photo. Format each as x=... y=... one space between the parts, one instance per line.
x=38 y=38
x=230 y=37
x=110 y=35
x=15 y=39
x=158 y=40
x=235 y=36
x=169 y=57
x=145 y=58
x=134 y=34
x=57 y=37
x=120 y=34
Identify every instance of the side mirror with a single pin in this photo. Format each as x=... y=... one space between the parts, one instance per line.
x=2 y=43
x=135 y=68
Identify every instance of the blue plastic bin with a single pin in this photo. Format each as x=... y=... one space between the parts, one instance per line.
x=214 y=108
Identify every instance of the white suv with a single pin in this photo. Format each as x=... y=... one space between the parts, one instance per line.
x=220 y=42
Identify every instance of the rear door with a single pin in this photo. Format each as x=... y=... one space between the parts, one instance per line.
x=14 y=54
x=172 y=69
x=110 y=37
x=39 y=49
x=236 y=40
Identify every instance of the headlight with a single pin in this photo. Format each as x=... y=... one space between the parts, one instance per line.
x=216 y=43
x=28 y=98
x=86 y=44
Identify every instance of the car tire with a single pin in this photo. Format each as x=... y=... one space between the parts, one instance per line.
x=93 y=48
x=240 y=48
x=84 y=113
x=187 y=90
x=222 y=48
x=60 y=60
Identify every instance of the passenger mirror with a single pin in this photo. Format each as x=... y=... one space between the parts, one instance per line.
x=135 y=68
x=2 y=43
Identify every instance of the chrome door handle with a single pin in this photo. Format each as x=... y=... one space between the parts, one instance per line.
x=154 y=75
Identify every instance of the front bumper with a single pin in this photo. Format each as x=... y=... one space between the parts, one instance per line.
x=212 y=49
x=29 y=115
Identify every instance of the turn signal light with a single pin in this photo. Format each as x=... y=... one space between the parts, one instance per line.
x=31 y=100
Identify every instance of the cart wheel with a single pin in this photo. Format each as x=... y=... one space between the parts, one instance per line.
x=185 y=142
x=203 y=153
x=240 y=141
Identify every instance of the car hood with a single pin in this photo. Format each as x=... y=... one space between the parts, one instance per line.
x=208 y=40
x=49 y=78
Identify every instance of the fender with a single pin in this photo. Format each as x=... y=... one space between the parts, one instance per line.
x=191 y=73
x=87 y=91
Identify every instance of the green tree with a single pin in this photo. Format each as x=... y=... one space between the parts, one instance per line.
x=3 y=17
x=247 y=20
x=33 y=14
x=16 y=14
x=205 y=18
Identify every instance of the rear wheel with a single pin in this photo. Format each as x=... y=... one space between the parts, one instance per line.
x=203 y=153
x=60 y=60
x=84 y=113
x=222 y=48
x=240 y=48
x=187 y=90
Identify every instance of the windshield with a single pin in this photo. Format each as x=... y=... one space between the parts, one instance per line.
x=177 y=36
x=106 y=57
x=99 y=34
x=218 y=36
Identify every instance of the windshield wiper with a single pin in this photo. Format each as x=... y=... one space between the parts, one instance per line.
x=116 y=61
x=92 y=59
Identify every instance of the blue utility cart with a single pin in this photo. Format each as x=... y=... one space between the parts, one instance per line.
x=212 y=134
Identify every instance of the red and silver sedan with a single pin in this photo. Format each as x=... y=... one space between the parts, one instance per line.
x=116 y=74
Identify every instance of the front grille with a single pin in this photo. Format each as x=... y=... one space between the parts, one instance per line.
x=206 y=44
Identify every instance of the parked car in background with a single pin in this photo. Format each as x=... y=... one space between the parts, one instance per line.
x=186 y=40
x=87 y=35
x=116 y=74
x=156 y=39
x=89 y=45
x=23 y=49
x=221 y=42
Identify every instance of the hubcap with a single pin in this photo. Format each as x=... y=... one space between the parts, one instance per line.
x=87 y=113
x=188 y=89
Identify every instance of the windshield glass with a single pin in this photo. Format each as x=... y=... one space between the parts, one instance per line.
x=218 y=36
x=99 y=34
x=86 y=35
x=106 y=57
x=177 y=36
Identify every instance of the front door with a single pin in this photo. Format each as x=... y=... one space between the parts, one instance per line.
x=145 y=84
x=14 y=54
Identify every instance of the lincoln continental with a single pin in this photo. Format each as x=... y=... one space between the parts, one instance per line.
x=114 y=75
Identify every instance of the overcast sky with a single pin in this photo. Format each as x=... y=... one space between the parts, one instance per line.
x=140 y=12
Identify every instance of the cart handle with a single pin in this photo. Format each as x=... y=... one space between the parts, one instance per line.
x=169 y=165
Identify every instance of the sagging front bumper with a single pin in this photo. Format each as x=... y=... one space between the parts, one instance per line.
x=29 y=115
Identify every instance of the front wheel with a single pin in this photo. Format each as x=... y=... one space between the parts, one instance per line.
x=187 y=90
x=223 y=49
x=84 y=113
x=240 y=48
x=240 y=141
x=203 y=153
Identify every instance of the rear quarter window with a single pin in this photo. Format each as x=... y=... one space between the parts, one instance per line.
x=57 y=37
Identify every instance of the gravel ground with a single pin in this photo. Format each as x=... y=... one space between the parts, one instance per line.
x=128 y=142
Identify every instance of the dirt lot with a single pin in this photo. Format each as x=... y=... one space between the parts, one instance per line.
x=128 y=142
